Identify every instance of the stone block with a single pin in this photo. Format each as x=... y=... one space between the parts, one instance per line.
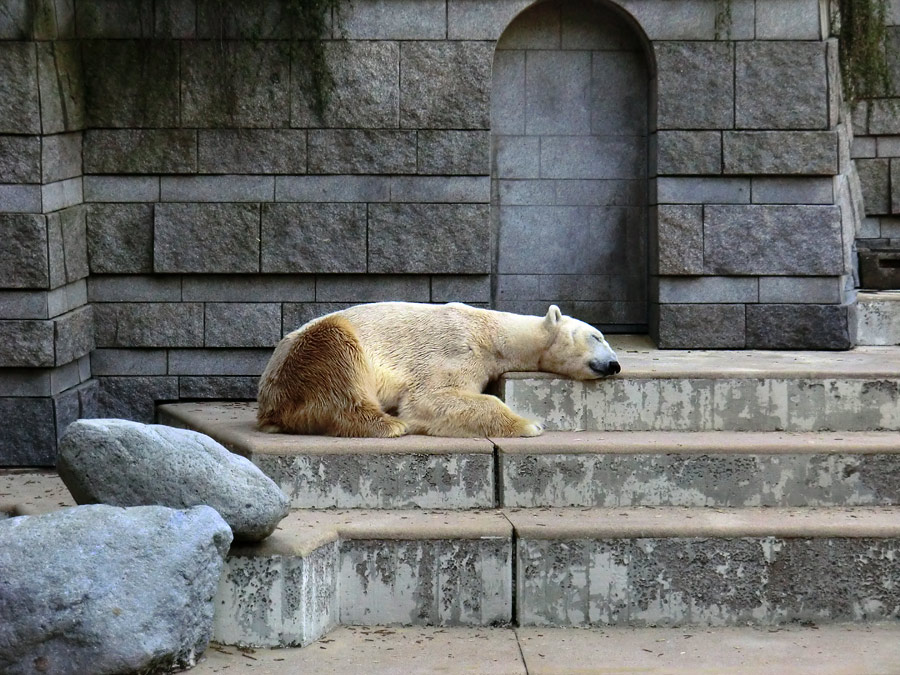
x=156 y=288
x=864 y=146
x=61 y=194
x=247 y=151
x=796 y=290
x=700 y=327
x=134 y=398
x=695 y=71
x=692 y=290
x=703 y=190
x=19 y=103
x=692 y=19
x=332 y=189
x=517 y=156
x=459 y=288
x=121 y=188
x=791 y=190
x=452 y=189
x=454 y=153
x=458 y=238
x=26 y=344
x=366 y=91
x=24 y=305
x=478 y=20
x=508 y=90
x=738 y=240
x=594 y=157
x=689 y=152
x=780 y=152
x=445 y=85
x=131 y=83
x=244 y=19
x=242 y=84
x=62 y=87
x=71 y=225
x=60 y=157
x=558 y=92
x=371 y=288
x=538 y=27
x=206 y=238
x=120 y=238
x=112 y=19
x=294 y=315
x=31 y=441
x=217 y=188
x=149 y=324
x=895 y=187
x=175 y=19
x=218 y=361
x=218 y=388
x=874 y=177
x=74 y=335
x=618 y=91
x=140 y=151
x=887 y=146
x=128 y=362
x=787 y=20
x=23 y=257
x=20 y=159
x=882 y=117
x=806 y=326
x=394 y=20
x=242 y=324
x=796 y=101
x=56 y=255
x=309 y=238
x=362 y=151
x=20 y=199
x=243 y=288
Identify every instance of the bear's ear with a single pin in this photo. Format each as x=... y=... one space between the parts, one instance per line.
x=554 y=316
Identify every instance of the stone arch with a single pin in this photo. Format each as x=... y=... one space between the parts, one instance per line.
x=571 y=119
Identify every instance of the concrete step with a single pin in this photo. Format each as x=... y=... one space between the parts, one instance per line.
x=839 y=649
x=878 y=318
x=562 y=468
x=560 y=567
x=673 y=390
x=324 y=568
x=323 y=472
x=710 y=468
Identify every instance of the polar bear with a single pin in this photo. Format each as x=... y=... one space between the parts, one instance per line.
x=392 y=368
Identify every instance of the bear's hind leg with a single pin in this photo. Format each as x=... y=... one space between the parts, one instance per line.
x=461 y=413
x=325 y=385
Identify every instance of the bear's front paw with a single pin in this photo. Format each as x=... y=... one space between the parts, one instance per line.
x=533 y=429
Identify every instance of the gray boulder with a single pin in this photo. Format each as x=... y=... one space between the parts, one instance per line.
x=123 y=463
x=99 y=589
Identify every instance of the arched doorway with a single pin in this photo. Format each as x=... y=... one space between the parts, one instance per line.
x=570 y=127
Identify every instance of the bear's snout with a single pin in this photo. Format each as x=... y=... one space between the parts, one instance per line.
x=601 y=368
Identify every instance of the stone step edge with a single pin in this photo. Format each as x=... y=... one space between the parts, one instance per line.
x=306 y=530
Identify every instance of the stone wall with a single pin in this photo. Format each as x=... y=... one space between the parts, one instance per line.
x=165 y=178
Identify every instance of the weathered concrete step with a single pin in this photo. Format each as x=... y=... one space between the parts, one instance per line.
x=878 y=318
x=671 y=390
x=323 y=472
x=679 y=567
x=711 y=468
x=839 y=649
x=324 y=568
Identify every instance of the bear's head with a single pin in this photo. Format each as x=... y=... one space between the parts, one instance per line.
x=576 y=349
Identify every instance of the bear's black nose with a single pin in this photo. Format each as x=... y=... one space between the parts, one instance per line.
x=601 y=368
x=613 y=368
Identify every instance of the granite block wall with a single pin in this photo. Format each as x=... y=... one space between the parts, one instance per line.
x=172 y=202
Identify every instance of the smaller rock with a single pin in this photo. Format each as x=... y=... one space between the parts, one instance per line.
x=102 y=590
x=124 y=463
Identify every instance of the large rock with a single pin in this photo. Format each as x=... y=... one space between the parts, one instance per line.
x=98 y=589
x=124 y=463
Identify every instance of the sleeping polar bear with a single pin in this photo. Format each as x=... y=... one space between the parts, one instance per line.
x=393 y=368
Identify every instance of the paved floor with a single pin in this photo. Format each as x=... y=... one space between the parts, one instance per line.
x=826 y=650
